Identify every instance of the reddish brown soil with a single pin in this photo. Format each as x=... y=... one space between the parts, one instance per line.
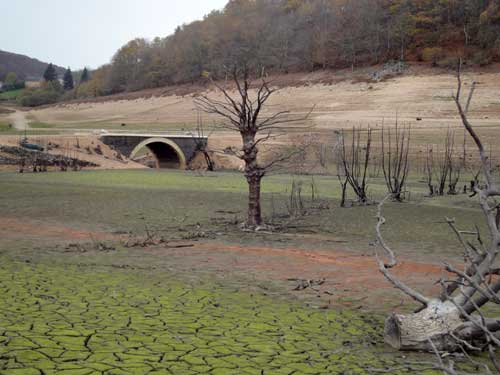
x=16 y=228
x=351 y=279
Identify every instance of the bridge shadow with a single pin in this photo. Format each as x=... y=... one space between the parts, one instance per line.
x=166 y=154
x=166 y=157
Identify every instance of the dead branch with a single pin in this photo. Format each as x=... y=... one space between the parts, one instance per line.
x=454 y=321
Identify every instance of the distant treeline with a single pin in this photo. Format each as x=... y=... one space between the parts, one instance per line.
x=281 y=36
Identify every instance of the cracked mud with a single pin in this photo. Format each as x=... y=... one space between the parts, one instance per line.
x=74 y=320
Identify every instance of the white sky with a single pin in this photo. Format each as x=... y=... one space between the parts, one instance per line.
x=80 y=33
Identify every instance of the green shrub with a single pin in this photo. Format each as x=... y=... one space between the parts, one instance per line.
x=49 y=93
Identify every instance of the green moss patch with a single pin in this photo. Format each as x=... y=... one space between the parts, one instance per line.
x=97 y=320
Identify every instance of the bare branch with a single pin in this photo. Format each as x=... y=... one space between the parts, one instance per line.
x=384 y=268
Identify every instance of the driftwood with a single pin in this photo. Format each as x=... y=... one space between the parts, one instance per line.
x=454 y=320
x=303 y=284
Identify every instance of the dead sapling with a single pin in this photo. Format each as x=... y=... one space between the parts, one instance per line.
x=395 y=148
x=453 y=163
x=201 y=142
x=355 y=160
x=429 y=171
x=295 y=204
x=340 y=169
x=150 y=238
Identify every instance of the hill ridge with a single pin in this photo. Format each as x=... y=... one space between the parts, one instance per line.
x=26 y=67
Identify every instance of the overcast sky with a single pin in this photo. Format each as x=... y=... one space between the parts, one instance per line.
x=80 y=33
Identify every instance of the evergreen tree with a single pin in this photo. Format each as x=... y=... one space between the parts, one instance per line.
x=50 y=73
x=68 y=80
x=85 y=76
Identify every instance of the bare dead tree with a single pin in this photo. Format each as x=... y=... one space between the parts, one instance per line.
x=445 y=167
x=429 y=171
x=455 y=320
x=454 y=168
x=320 y=148
x=444 y=162
x=341 y=172
x=376 y=164
x=355 y=159
x=295 y=205
x=243 y=113
x=202 y=143
x=395 y=161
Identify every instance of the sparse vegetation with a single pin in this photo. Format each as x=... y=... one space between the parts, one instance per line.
x=49 y=93
x=97 y=198
x=108 y=267
x=11 y=95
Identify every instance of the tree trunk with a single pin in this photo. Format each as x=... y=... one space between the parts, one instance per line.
x=415 y=331
x=254 y=211
x=344 y=188
x=253 y=174
x=209 y=161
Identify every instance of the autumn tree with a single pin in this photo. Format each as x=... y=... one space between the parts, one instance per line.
x=97 y=85
x=283 y=36
x=127 y=65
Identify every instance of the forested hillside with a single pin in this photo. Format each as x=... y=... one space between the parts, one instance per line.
x=25 y=68
x=305 y=35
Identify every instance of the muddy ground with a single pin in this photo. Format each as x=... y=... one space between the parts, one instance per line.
x=82 y=294
x=82 y=290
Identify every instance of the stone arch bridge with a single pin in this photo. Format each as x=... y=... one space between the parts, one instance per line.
x=169 y=150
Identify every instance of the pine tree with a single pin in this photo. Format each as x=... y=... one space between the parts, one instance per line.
x=50 y=73
x=85 y=76
x=68 y=80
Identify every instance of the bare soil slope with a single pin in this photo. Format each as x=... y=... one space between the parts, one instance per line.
x=420 y=97
x=420 y=93
x=87 y=148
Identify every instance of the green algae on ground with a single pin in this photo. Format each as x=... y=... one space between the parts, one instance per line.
x=58 y=319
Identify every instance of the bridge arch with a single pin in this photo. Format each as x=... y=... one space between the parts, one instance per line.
x=166 y=152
